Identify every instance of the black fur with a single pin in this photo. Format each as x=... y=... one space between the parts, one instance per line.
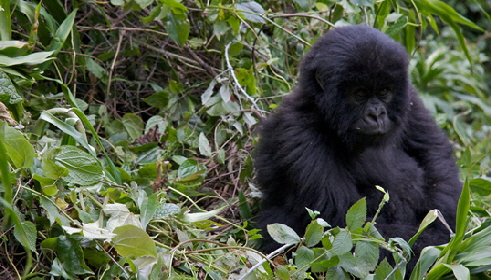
x=312 y=153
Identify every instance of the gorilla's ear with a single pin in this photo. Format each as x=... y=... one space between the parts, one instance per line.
x=318 y=79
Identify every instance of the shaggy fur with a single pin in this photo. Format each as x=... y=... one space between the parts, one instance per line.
x=313 y=155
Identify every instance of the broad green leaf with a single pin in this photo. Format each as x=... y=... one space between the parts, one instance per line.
x=177 y=25
x=460 y=272
x=70 y=251
x=83 y=169
x=133 y=125
x=8 y=89
x=367 y=254
x=283 y=234
x=357 y=215
x=342 y=243
x=313 y=234
x=19 y=150
x=190 y=170
x=397 y=26
x=26 y=234
x=133 y=242
x=50 y=169
x=251 y=10
x=304 y=257
x=481 y=186
x=382 y=271
x=204 y=145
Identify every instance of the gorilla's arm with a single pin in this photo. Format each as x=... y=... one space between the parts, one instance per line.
x=426 y=142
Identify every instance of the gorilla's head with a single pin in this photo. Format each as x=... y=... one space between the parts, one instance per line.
x=357 y=79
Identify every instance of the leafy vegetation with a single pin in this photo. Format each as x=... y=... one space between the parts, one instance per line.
x=127 y=128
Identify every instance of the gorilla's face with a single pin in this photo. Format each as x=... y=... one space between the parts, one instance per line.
x=359 y=82
x=373 y=119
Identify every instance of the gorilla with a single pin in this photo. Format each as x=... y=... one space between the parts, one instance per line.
x=354 y=122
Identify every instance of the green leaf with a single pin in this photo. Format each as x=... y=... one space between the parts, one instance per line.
x=304 y=257
x=480 y=186
x=383 y=270
x=425 y=261
x=31 y=59
x=367 y=254
x=83 y=169
x=133 y=125
x=342 y=243
x=251 y=10
x=70 y=251
x=178 y=28
x=204 y=145
x=7 y=88
x=460 y=272
x=148 y=208
x=68 y=129
x=5 y=21
x=313 y=234
x=245 y=209
x=19 y=150
x=306 y=5
x=190 y=170
x=144 y=3
x=133 y=242
x=50 y=169
x=283 y=234
x=26 y=233
x=357 y=215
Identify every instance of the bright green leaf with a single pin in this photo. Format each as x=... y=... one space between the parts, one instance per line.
x=133 y=242
x=19 y=150
x=356 y=215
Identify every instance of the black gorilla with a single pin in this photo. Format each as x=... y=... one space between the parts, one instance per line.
x=353 y=122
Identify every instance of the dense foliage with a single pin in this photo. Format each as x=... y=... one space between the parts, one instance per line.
x=127 y=127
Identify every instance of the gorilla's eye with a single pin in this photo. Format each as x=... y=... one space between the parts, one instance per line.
x=360 y=93
x=383 y=92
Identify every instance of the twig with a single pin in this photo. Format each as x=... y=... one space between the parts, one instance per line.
x=281 y=249
x=231 y=70
x=113 y=65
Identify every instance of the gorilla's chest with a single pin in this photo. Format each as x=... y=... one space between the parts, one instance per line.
x=393 y=170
